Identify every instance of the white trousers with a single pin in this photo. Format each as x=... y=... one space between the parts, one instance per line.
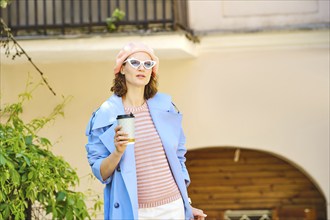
x=173 y=210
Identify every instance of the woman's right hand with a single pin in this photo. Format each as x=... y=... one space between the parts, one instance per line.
x=110 y=163
x=121 y=140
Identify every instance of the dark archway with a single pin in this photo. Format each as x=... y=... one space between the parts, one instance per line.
x=226 y=178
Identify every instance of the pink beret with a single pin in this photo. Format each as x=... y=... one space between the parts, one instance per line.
x=131 y=48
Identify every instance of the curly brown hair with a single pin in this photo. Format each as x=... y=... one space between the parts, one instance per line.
x=120 y=89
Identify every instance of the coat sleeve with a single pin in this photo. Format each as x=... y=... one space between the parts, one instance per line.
x=182 y=150
x=96 y=150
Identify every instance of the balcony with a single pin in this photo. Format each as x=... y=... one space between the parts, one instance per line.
x=72 y=17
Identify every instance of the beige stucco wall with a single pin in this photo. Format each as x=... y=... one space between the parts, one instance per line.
x=267 y=91
x=223 y=15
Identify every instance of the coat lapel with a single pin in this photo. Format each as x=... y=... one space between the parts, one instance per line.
x=108 y=114
x=167 y=123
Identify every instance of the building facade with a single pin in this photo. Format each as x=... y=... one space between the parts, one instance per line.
x=252 y=76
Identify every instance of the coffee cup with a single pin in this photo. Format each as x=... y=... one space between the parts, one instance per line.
x=127 y=123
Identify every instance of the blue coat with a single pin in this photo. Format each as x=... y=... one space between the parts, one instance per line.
x=120 y=193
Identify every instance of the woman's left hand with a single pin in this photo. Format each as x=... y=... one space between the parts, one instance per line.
x=198 y=213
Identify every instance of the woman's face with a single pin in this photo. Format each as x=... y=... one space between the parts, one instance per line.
x=140 y=76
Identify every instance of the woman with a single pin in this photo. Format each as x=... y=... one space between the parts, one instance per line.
x=147 y=180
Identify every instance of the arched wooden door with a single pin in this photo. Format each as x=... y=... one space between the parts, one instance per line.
x=224 y=179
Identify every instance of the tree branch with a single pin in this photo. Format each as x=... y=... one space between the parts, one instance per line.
x=19 y=51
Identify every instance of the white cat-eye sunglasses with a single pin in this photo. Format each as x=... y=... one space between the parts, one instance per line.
x=135 y=63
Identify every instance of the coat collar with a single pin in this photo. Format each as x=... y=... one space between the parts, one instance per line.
x=160 y=102
x=107 y=113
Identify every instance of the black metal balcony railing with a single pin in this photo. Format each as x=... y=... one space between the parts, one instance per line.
x=54 y=17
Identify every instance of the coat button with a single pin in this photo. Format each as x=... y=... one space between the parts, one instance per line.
x=116 y=205
x=118 y=169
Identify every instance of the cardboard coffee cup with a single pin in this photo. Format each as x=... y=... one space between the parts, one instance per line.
x=127 y=123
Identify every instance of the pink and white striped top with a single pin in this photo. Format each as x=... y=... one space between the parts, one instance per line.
x=155 y=183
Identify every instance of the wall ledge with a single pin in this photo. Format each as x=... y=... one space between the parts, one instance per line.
x=167 y=46
x=101 y=48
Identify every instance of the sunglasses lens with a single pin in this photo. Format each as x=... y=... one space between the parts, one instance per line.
x=135 y=63
x=149 y=64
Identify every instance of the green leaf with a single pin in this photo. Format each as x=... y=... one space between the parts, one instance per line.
x=26 y=95
x=27 y=160
x=14 y=176
x=3 y=4
x=2 y=160
x=69 y=215
x=48 y=209
x=44 y=142
x=5 y=175
x=28 y=140
x=3 y=206
x=60 y=196
x=70 y=201
x=6 y=212
x=30 y=175
x=2 y=197
x=19 y=155
x=10 y=164
x=24 y=177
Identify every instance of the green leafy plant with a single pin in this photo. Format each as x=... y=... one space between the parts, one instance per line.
x=116 y=16
x=31 y=175
x=4 y=3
